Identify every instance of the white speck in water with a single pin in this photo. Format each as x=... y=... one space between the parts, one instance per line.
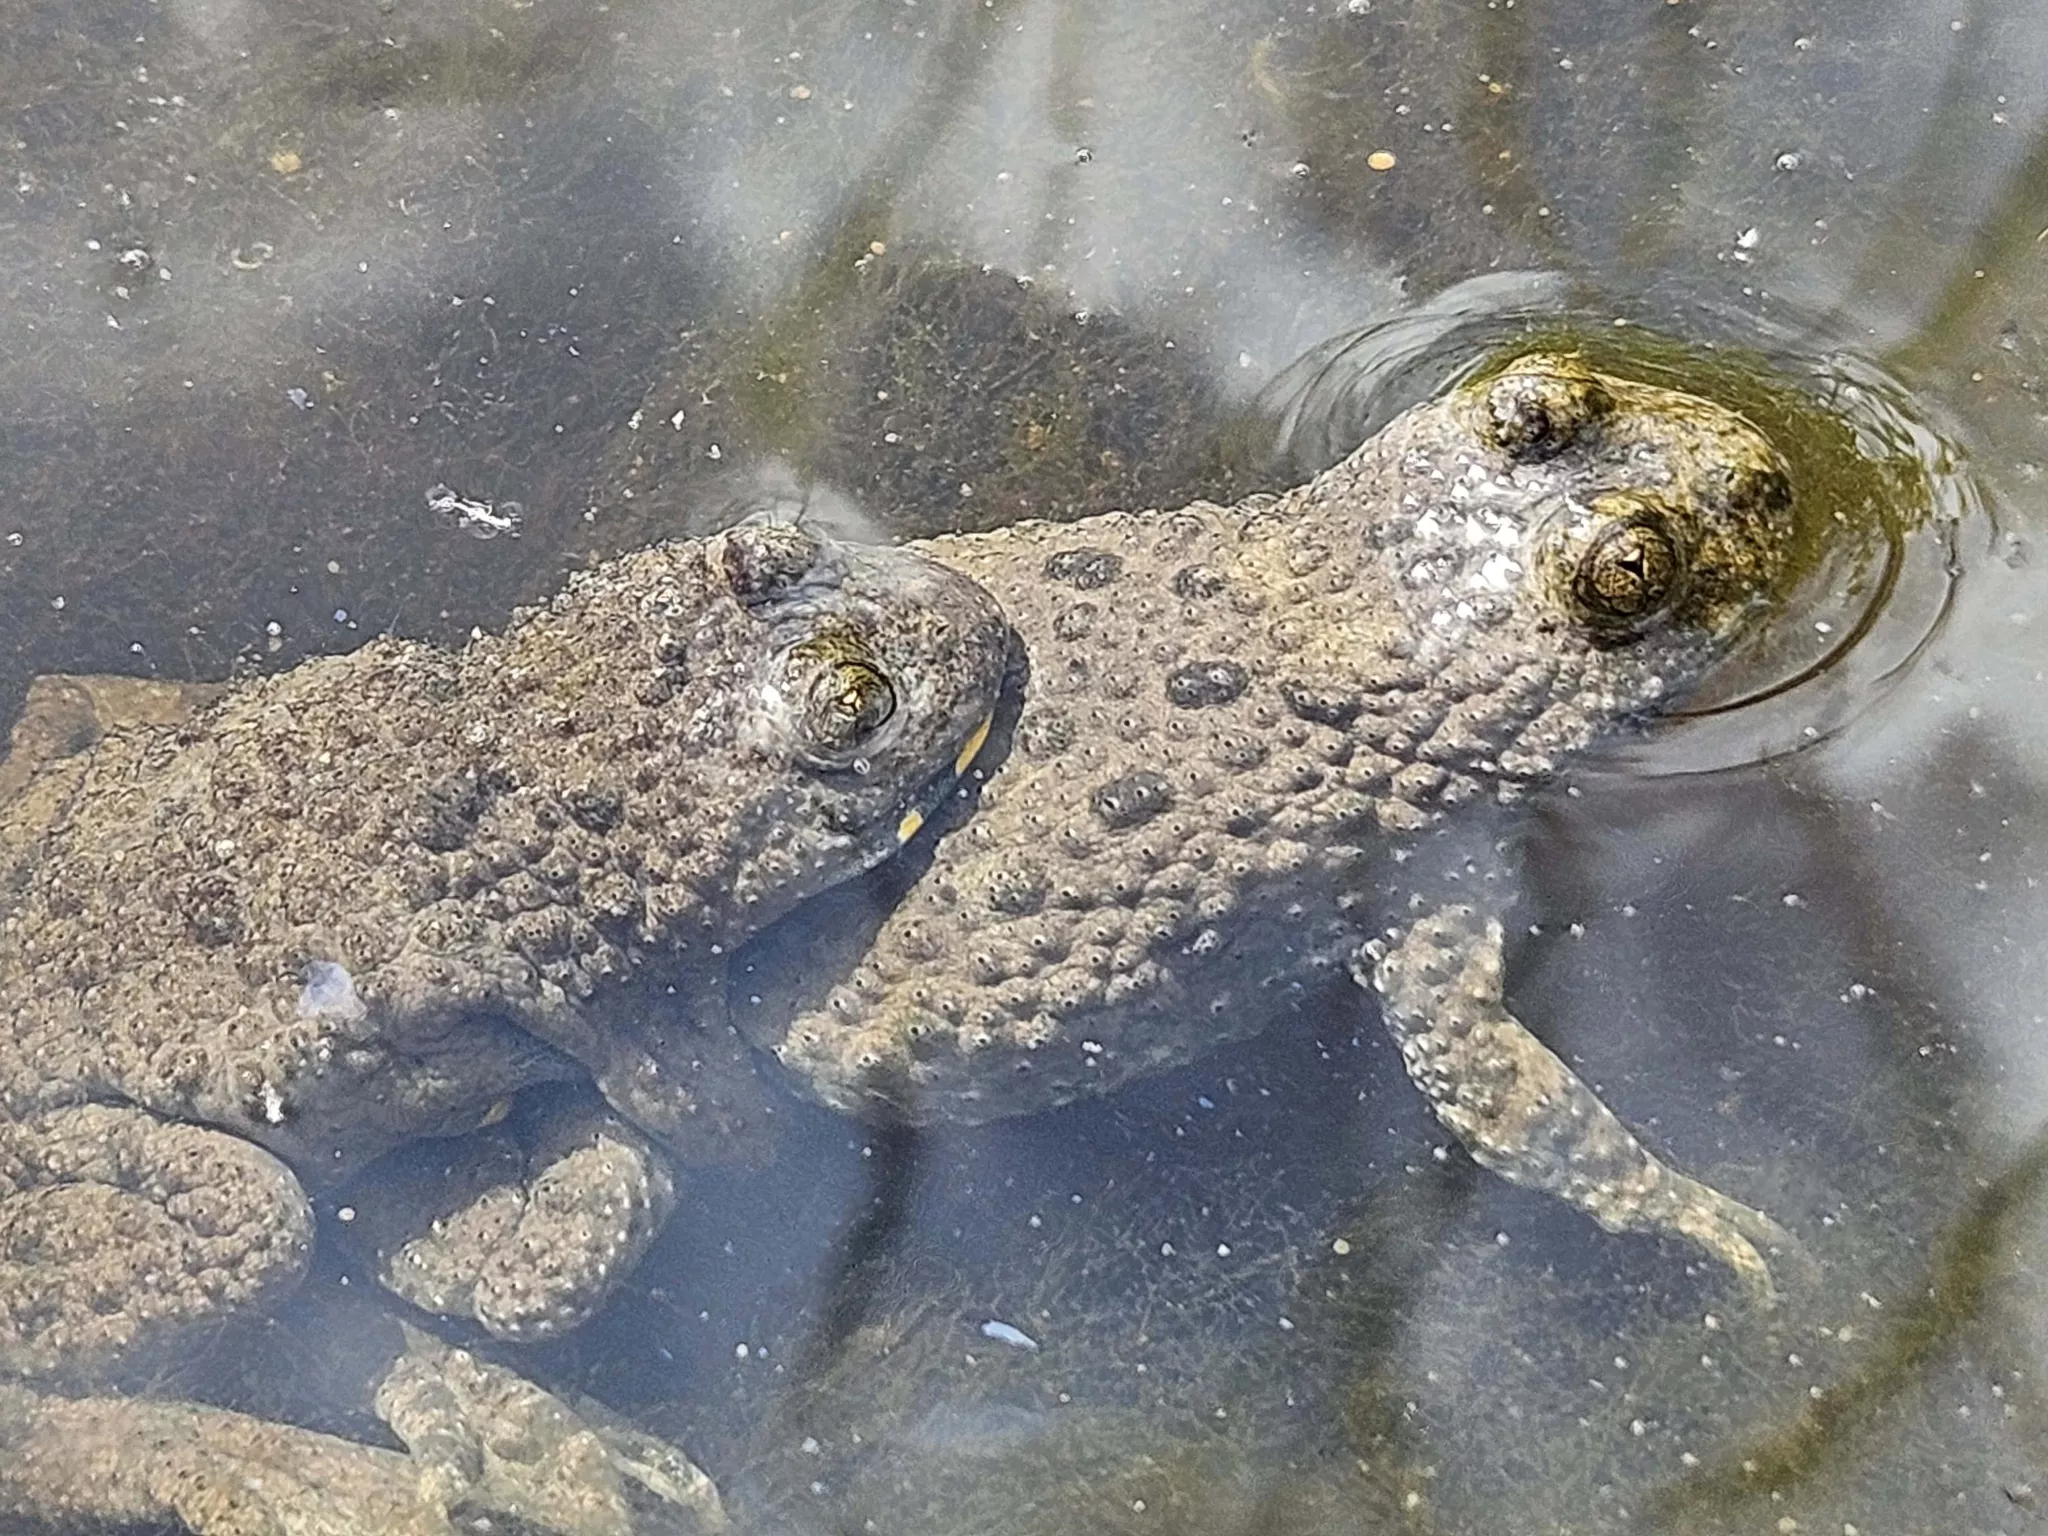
x=1788 y=161
x=480 y=518
x=1746 y=241
x=273 y=1104
x=1003 y=1333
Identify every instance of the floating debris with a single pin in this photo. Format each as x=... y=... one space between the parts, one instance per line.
x=479 y=519
x=1003 y=1333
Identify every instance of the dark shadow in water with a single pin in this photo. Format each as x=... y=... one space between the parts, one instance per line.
x=849 y=1292
x=1970 y=1261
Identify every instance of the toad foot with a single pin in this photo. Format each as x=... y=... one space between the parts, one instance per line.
x=1523 y=1114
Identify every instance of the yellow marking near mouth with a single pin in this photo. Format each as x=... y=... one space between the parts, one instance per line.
x=974 y=744
x=906 y=829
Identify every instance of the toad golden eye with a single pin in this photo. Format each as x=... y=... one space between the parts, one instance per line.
x=1628 y=572
x=846 y=703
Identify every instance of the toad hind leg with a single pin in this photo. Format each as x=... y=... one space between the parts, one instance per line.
x=119 y=1232
x=1523 y=1114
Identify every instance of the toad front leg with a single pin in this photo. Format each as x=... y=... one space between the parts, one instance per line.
x=524 y=1226
x=1523 y=1114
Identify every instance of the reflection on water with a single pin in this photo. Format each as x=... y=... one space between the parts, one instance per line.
x=953 y=264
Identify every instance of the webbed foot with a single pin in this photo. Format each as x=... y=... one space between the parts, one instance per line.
x=524 y=1226
x=65 y=713
x=1523 y=1114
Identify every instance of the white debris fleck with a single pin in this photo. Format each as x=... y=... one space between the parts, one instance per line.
x=1004 y=1333
x=482 y=519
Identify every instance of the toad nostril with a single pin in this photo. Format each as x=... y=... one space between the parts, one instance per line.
x=1536 y=416
x=1768 y=490
x=764 y=559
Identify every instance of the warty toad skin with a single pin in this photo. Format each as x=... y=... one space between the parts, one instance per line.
x=1229 y=708
x=249 y=946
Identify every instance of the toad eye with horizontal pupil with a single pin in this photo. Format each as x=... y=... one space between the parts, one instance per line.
x=1629 y=571
x=847 y=702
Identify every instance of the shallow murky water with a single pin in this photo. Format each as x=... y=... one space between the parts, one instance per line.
x=298 y=299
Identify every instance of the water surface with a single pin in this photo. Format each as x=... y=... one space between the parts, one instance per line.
x=278 y=278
